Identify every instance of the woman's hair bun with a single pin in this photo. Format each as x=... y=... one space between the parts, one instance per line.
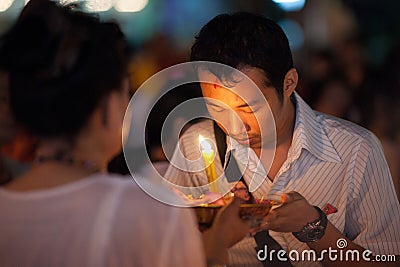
x=61 y=62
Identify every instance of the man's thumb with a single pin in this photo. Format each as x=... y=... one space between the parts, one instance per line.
x=291 y=196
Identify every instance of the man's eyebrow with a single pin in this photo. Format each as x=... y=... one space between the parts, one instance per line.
x=217 y=104
x=212 y=103
x=248 y=104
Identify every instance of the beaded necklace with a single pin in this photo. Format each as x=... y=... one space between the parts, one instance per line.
x=63 y=158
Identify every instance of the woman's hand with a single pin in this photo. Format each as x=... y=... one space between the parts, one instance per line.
x=228 y=229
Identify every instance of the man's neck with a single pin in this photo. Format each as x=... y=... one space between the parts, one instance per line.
x=284 y=131
x=284 y=141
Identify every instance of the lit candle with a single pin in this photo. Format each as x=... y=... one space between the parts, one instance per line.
x=208 y=155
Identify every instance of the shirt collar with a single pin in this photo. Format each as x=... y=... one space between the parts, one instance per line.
x=248 y=163
x=245 y=154
x=309 y=134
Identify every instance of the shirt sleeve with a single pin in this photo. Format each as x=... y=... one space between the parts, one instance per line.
x=176 y=175
x=373 y=215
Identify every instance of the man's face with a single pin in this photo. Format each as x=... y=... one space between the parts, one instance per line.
x=242 y=111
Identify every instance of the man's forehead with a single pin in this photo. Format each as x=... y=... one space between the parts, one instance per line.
x=248 y=92
x=224 y=77
x=224 y=98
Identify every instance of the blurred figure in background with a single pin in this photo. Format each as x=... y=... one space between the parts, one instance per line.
x=342 y=84
x=331 y=96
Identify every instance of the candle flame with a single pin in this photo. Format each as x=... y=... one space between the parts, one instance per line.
x=204 y=144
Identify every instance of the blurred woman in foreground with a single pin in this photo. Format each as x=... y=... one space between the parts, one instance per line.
x=68 y=88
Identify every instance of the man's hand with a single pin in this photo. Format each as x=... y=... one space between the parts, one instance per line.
x=291 y=216
x=294 y=213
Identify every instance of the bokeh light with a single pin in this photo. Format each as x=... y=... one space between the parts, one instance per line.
x=130 y=5
x=99 y=5
x=290 y=5
x=66 y=2
x=5 y=4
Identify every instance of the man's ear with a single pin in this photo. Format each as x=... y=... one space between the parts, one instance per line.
x=290 y=82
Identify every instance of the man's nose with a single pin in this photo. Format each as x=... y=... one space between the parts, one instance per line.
x=236 y=125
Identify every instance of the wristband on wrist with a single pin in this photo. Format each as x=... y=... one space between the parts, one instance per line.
x=313 y=231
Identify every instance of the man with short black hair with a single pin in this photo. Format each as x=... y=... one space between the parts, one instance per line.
x=330 y=173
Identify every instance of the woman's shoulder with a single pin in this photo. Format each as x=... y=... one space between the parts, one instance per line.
x=139 y=191
x=144 y=203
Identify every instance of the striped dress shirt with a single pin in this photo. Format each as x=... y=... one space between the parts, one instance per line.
x=330 y=161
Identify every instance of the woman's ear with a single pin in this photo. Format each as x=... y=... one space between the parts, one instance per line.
x=100 y=116
x=113 y=109
x=104 y=108
x=290 y=82
x=110 y=111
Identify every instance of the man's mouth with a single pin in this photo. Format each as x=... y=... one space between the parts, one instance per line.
x=244 y=140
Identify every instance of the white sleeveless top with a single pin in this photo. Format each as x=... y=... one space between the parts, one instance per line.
x=102 y=220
